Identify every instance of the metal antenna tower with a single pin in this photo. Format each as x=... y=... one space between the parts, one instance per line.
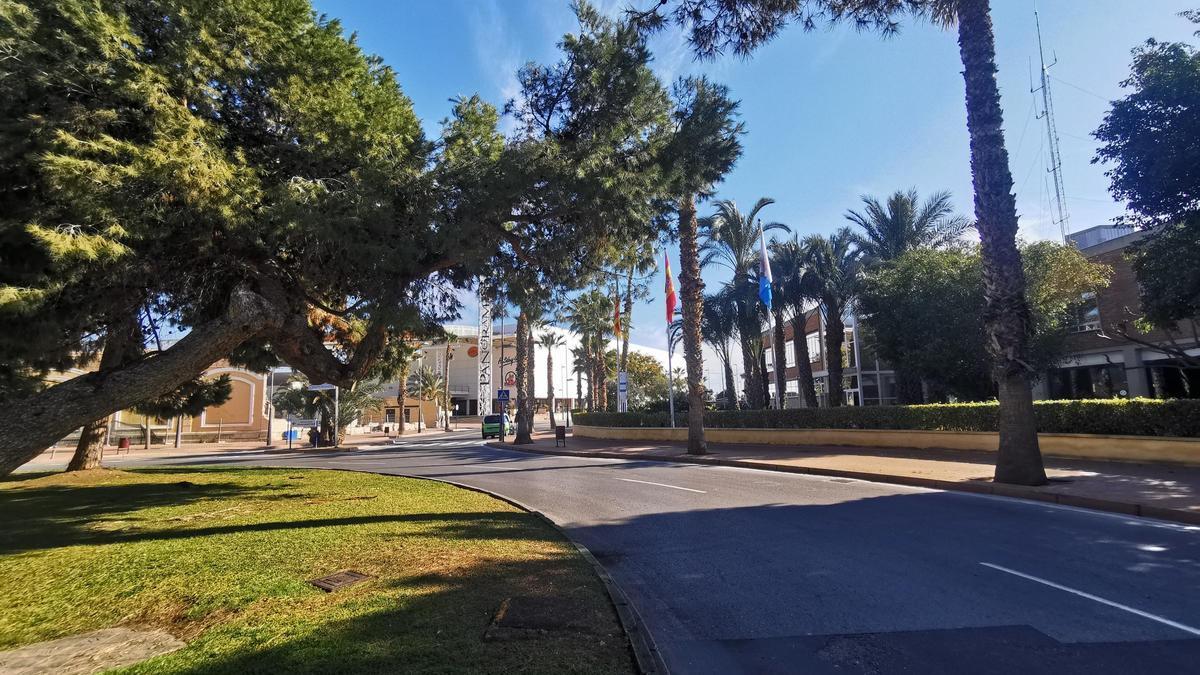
x=1051 y=134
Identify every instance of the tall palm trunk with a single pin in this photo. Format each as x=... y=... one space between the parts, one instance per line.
x=808 y=390
x=691 y=286
x=120 y=346
x=579 y=390
x=727 y=365
x=778 y=345
x=524 y=424
x=401 y=394
x=748 y=333
x=763 y=389
x=602 y=374
x=1006 y=314
x=835 y=335
x=550 y=383
x=446 y=387
x=531 y=402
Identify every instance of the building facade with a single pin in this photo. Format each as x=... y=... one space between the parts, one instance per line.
x=865 y=379
x=1104 y=364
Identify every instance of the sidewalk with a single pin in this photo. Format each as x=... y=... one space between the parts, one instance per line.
x=1169 y=492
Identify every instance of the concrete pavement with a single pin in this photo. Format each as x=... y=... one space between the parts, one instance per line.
x=740 y=570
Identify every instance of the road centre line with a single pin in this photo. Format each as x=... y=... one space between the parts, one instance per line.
x=673 y=487
x=1132 y=610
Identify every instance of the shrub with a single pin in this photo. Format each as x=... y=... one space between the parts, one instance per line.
x=1132 y=417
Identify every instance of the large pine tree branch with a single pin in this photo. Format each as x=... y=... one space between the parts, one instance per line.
x=30 y=425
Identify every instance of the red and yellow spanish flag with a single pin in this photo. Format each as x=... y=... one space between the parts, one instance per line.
x=670 y=290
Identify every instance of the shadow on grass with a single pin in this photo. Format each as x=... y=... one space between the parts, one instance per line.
x=48 y=516
x=426 y=623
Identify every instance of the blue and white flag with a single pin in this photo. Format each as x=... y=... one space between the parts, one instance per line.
x=764 y=271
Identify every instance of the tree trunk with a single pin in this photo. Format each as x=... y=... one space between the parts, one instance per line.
x=90 y=447
x=764 y=383
x=579 y=389
x=730 y=388
x=529 y=380
x=446 y=387
x=908 y=387
x=835 y=335
x=1006 y=314
x=401 y=395
x=32 y=424
x=524 y=426
x=778 y=346
x=750 y=370
x=691 y=287
x=808 y=390
x=550 y=383
x=122 y=344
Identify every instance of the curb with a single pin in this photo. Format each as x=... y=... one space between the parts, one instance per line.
x=645 y=653
x=995 y=489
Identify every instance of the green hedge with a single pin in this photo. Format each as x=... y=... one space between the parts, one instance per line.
x=1132 y=417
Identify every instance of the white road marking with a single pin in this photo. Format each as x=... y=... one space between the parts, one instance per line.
x=673 y=487
x=1132 y=610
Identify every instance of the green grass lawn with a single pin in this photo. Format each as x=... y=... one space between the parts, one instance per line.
x=220 y=558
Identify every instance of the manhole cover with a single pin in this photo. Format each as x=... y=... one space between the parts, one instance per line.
x=339 y=580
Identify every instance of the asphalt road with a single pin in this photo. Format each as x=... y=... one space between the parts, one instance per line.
x=739 y=570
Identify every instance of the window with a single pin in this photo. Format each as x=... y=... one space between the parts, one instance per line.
x=1086 y=314
x=814 y=347
x=770 y=353
x=389 y=416
x=789 y=355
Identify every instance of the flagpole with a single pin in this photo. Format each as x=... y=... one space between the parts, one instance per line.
x=764 y=293
x=670 y=381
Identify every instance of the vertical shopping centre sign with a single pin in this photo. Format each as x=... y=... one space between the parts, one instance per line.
x=485 y=357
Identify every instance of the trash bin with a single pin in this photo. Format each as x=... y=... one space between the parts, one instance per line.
x=123 y=444
x=560 y=436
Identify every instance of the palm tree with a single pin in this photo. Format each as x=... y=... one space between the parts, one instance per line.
x=835 y=264
x=550 y=341
x=719 y=322
x=743 y=25
x=731 y=241
x=904 y=223
x=703 y=147
x=351 y=404
x=636 y=258
x=797 y=289
x=579 y=360
x=590 y=316
x=427 y=385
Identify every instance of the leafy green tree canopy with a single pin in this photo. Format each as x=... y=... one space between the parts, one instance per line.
x=923 y=309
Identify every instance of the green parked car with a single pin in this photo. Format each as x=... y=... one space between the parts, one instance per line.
x=491 y=426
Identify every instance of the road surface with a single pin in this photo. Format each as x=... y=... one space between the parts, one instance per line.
x=748 y=571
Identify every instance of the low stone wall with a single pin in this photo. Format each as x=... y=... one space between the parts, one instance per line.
x=1078 y=446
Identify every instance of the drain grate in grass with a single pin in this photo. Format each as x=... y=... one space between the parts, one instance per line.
x=339 y=580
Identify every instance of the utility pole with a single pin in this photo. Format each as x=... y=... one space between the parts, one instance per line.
x=1047 y=114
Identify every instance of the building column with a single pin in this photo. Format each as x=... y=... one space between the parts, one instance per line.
x=1136 y=376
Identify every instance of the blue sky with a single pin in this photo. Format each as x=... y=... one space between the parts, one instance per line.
x=831 y=114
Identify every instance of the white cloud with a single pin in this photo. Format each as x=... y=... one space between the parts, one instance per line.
x=495 y=49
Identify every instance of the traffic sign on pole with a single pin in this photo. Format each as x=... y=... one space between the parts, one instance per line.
x=502 y=395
